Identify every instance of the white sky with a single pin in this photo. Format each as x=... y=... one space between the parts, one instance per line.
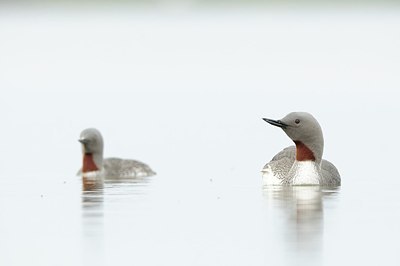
x=185 y=90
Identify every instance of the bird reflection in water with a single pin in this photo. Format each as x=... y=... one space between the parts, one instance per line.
x=90 y=184
x=92 y=220
x=92 y=206
x=302 y=211
x=94 y=191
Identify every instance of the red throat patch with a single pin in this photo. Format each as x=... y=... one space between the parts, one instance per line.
x=88 y=163
x=303 y=153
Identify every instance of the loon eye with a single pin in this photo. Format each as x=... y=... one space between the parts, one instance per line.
x=297 y=121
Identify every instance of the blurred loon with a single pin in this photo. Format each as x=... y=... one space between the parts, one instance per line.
x=95 y=166
x=301 y=164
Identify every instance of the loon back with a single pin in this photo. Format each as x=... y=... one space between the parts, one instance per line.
x=121 y=168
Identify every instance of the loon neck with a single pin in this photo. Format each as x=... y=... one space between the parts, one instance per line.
x=88 y=163
x=303 y=153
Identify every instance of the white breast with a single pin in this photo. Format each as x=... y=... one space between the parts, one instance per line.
x=94 y=175
x=305 y=173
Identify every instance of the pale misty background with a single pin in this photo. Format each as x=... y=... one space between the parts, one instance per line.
x=183 y=88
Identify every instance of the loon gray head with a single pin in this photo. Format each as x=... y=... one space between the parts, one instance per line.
x=306 y=133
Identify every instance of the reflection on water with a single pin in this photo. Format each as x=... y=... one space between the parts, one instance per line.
x=89 y=184
x=92 y=221
x=92 y=202
x=127 y=214
x=95 y=191
x=95 y=194
x=302 y=210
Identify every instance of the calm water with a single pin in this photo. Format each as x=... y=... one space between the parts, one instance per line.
x=152 y=222
x=185 y=91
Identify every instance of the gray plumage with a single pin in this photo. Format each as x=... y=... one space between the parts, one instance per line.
x=120 y=168
x=283 y=161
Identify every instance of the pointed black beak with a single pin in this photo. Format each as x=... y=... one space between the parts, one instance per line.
x=276 y=123
x=83 y=141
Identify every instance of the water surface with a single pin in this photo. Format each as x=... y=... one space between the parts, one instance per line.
x=150 y=222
